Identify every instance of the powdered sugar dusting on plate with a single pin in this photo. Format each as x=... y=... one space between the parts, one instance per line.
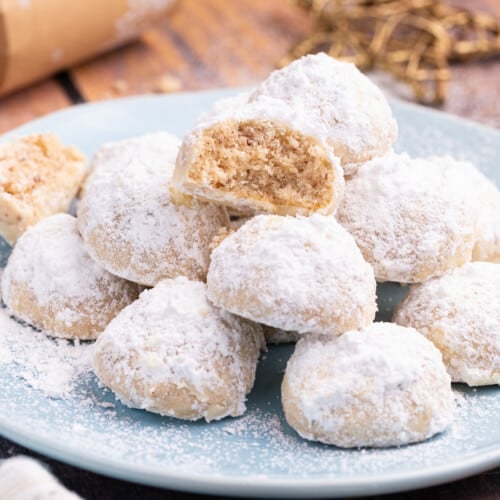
x=52 y=366
x=90 y=420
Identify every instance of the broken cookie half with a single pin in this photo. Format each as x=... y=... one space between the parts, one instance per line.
x=39 y=177
x=285 y=146
x=260 y=157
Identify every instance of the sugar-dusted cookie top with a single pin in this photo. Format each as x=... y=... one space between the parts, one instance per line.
x=302 y=274
x=412 y=218
x=131 y=224
x=172 y=352
x=383 y=385
x=51 y=282
x=346 y=109
x=460 y=313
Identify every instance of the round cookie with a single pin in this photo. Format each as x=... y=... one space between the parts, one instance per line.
x=385 y=385
x=172 y=352
x=129 y=221
x=302 y=274
x=411 y=218
x=460 y=313
x=349 y=110
x=52 y=283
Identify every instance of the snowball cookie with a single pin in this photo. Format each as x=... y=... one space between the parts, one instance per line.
x=460 y=313
x=385 y=385
x=51 y=282
x=302 y=274
x=349 y=111
x=129 y=222
x=172 y=352
x=411 y=218
x=258 y=152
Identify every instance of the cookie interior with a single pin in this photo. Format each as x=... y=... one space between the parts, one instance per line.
x=265 y=161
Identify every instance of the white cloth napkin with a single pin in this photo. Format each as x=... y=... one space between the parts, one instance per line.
x=22 y=478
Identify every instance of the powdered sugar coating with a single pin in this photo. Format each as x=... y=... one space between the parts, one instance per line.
x=346 y=109
x=129 y=222
x=51 y=282
x=322 y=97
x=384 y=385
x=174 y=353
x=302 y=274
x=330 y=103
x=486 y=201
x=411 y=218
x=460 y=313
x=220 y=107
x=246 y=106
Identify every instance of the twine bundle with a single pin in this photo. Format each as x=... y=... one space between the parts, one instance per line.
x=415 y=40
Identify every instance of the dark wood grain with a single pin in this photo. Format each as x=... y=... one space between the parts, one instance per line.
x=204 y=44
x=31 y=103
x=217 y=43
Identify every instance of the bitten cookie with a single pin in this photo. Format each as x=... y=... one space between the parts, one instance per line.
x=460 y=313
x=131 y=224
x=348 y=109
x=411 y=218
x=51 y=282
x=301 y=274
x=385 y=385
x=283 y=147
x=39 y=176
x=172 y=352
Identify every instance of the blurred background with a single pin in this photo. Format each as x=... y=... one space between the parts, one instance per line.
x=55 y=53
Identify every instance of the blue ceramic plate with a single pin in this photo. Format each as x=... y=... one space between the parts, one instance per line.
x=257 y=454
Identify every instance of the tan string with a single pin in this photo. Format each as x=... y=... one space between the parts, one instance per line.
x=415 y=40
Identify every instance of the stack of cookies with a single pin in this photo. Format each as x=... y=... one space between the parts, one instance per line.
x=274 y=218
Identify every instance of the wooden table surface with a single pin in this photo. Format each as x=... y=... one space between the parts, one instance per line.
x=219 y=43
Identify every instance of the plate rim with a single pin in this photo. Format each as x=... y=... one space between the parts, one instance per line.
x=216 y=92
x=247 y=485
